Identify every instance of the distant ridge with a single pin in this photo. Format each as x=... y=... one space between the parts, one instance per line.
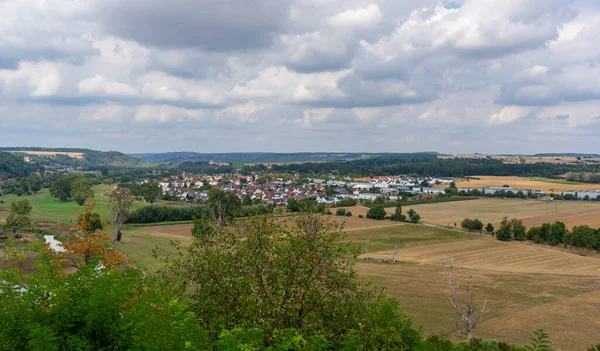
x=91 y=158
x=257 y=157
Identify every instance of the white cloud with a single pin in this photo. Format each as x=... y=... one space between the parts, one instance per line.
x=99 y=85
x=35 y=79
x=289 y=86
x=167 y=113
x=357 y=18
x=508 y=114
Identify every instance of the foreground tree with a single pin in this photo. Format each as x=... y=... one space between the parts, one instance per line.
x=463 y=300
x=275 y=276
x=18 y=216
x=120 y=202
x=91 y=311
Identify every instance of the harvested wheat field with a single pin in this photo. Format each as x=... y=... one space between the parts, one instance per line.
x=492 y=210
x=54 y=153
x=526 y=286
x=542 y=184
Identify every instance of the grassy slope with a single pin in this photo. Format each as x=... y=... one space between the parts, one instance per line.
x=49 y=209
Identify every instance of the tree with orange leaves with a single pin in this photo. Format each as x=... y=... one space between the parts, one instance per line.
x=90 y=241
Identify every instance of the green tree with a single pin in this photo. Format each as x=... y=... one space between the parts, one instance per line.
x=398 y=216
x=377 y=212
x=413 y=216
x=489 y=228
x=61 y=188
x=504 y=233
x=340 y=212
x=223 y=206
x=557 y=233
x=151 y=192
x=120 y=202
x=584 y=237
x=467 y=224
x=518 y=229
x=81 y=190
x=18 y=216
x=263 y=274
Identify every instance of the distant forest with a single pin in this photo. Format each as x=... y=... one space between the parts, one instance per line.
x=12 y=166
x=429 y=165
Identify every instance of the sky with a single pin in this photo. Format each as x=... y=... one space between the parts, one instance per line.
x=462 y=76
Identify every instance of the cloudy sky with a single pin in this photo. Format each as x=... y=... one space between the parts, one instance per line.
x=499 y=76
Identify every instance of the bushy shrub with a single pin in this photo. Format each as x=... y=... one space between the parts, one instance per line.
x=340 y=212
x=377 y=212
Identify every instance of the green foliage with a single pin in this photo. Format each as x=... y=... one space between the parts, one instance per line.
x=347 y=202
x=512 y=229
x=223 y=205
x=413 y=216
x=155 y=213
x=504 y=233
x=398 y=216
x=539 y=342
x=340 y=212
x=259 y=274
x=12 y=166
x=518 y=229
x=377 y=212
x=95 y=310
x=61 y=188
x=473 y=224
x=151 y=191
x=18 y=216
x=81 y=190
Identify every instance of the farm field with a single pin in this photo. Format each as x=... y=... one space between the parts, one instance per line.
x=542 y=184
x=48 y=209
x=491 y=210
x=52 y=153
x=527 y=286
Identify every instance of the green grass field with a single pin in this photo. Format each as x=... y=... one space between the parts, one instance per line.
x=48 y=209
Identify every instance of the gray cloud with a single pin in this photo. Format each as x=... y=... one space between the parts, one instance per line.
x=219 y=25
x=303 y=75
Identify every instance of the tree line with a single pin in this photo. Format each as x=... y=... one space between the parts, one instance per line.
x=427 y=165
x=554 y=234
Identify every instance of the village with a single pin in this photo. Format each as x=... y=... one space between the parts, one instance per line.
x=276 y=190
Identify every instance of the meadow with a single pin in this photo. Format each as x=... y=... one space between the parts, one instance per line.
x=48 y=209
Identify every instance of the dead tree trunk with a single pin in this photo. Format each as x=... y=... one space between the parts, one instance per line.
x=463 y=300
x=396 y=251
